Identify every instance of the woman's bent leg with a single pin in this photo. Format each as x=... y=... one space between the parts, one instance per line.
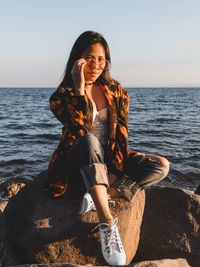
x=100 y=198
x=85 y=164
x=146 y=170
x=141 y=172
x=94 y=174
x=87 y=156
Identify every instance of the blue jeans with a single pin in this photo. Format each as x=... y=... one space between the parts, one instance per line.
x=86 y=166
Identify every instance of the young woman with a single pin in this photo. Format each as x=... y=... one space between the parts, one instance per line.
x=92 y=157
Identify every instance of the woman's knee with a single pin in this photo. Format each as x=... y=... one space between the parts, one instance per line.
x=89 y=140
x=91 y=149
x=163 y=162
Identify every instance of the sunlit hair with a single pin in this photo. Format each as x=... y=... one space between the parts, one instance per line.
x=84 y=41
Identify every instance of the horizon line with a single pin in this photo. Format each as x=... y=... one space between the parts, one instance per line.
x=51 y=87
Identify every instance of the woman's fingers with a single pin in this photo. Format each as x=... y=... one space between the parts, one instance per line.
x=78 y=65
x=77 y=73
x=80 y=62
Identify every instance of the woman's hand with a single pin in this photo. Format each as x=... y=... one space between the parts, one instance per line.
x=78 y=76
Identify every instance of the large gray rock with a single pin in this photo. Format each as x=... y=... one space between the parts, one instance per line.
x=157 y=263
x=171 y=226
x=41 y=230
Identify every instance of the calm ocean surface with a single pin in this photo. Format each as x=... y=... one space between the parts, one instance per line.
x=164 y=121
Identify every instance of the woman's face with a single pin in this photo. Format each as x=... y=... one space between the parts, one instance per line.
x=95 y=62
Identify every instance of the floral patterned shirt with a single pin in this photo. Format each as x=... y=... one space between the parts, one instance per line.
x=76 y=114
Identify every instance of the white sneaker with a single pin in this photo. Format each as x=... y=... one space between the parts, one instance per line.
x=87 y=204
x=111 y=245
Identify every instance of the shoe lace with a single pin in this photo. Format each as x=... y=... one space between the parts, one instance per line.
x=111 y=236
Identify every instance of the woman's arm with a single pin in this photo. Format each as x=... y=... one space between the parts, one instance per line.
x=122 y=125
x=119 y=149
x=73 y=111
x=124 y=102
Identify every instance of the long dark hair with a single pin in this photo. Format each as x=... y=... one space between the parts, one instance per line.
x=84 y=41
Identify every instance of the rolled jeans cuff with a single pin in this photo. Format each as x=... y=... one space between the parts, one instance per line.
x=94 y=174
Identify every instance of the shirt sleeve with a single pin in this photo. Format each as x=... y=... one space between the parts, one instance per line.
x=122 y=127
x=71 y=110
x=120 y=147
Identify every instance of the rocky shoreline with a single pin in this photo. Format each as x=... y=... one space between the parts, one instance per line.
x=161 y=228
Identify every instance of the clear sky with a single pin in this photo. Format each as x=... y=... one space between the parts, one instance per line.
x=152 y=42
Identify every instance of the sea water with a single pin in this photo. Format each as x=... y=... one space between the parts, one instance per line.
x=163 y=121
